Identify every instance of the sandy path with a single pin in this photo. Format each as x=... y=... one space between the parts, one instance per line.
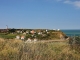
x=46 y=41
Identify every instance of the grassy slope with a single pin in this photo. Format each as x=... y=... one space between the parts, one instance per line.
x=45 y=36
x=17 y=50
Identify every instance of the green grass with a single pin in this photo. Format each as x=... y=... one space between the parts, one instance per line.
x=44 y=36
x=7 y=36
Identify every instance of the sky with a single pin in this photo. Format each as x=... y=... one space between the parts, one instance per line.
x=40 y=14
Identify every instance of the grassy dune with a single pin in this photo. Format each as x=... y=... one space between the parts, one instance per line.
x=18 y=50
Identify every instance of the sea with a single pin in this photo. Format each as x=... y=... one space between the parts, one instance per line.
x=72 y=32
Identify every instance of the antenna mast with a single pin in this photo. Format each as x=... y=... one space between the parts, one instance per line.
x=6 y=26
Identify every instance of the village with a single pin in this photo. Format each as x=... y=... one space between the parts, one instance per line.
x=32 y=34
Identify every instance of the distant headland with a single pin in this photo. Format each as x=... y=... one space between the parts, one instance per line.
x=41 y=34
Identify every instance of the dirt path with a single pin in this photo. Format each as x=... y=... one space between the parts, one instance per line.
x=46 y=41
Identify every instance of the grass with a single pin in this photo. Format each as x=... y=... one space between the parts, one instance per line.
x=7 y=36
x=44 y=36
x=18 y=50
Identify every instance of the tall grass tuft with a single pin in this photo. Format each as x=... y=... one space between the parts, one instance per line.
x=18 y=50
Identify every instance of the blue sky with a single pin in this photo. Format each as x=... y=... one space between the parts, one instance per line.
x=49 y=14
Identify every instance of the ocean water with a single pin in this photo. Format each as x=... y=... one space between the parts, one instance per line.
x=71 y=32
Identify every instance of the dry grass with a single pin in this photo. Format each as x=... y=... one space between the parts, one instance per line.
x=18 y=50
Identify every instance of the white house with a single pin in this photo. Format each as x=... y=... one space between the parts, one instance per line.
x=17 y=37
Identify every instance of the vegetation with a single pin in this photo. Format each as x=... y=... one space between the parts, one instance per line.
x=39 y=34
x=11 y=49
x=75 y=43
x=7 y=36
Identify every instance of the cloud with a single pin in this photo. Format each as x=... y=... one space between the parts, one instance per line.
x=67 y=2
x=74 y=3
x=77 y=4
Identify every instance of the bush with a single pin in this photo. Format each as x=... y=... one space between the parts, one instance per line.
x=75 y=43
x=77 y=40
